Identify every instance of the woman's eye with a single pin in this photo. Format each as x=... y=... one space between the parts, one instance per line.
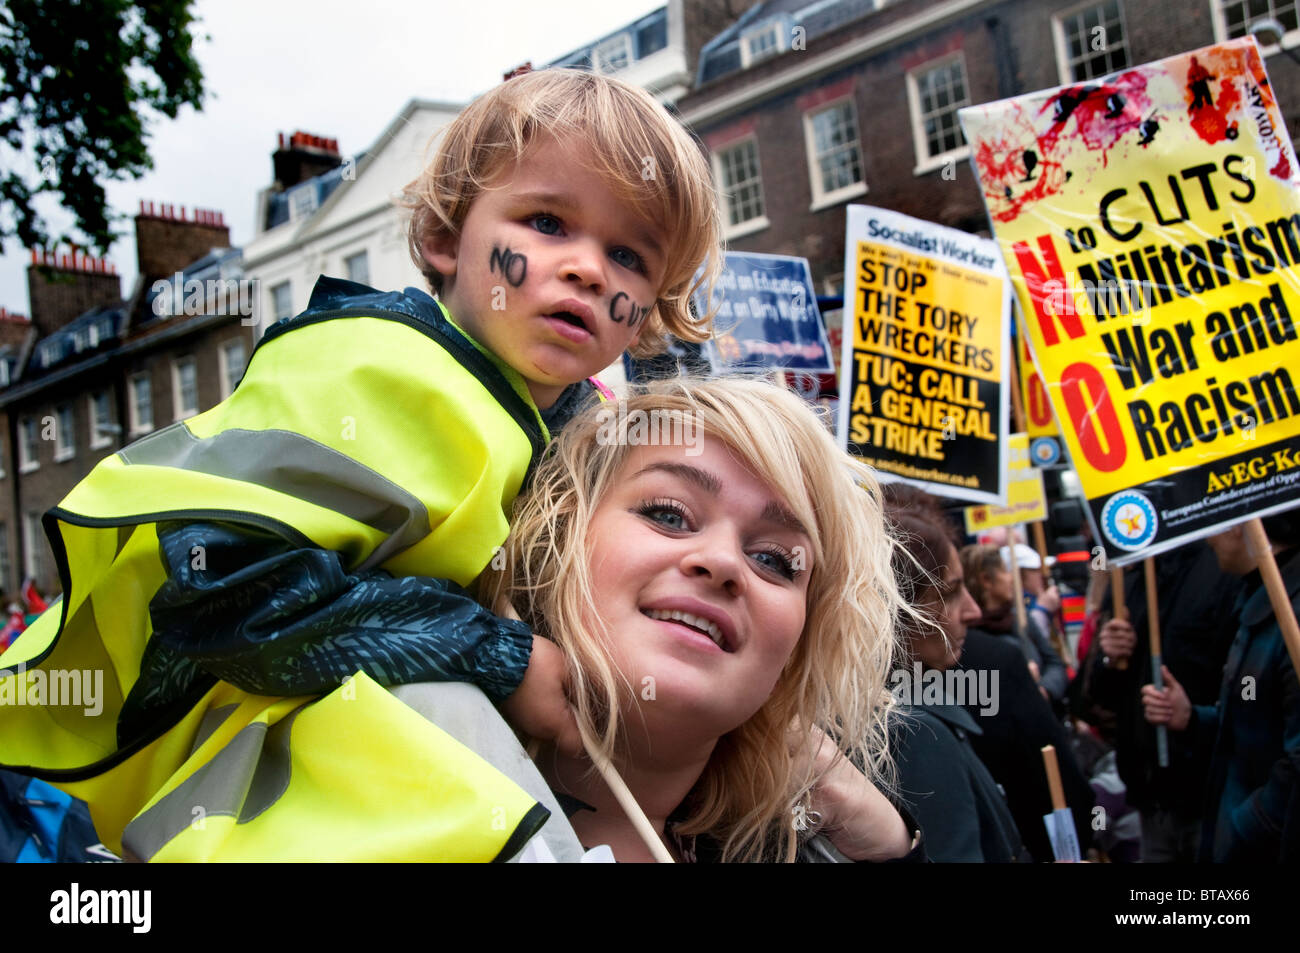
x=667 y=513
x=627 y=258
x=777 y=561
x=546 y=224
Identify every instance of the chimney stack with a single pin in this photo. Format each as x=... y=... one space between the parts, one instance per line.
x=61 y=286
x=167 y=240
x=302 y=157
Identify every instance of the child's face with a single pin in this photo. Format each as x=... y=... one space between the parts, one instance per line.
x=552 y=272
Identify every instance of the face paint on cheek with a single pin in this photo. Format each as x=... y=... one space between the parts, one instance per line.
x=512 y=266
x=622 y=308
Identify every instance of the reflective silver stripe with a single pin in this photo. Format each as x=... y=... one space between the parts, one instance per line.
x=212 y=720
x=298 y=466
x=245 y=778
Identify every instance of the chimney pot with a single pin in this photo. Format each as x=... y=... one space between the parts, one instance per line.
x=182 y=213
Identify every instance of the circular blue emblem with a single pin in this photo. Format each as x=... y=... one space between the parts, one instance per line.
x=1129 y=520
x=1044 y=451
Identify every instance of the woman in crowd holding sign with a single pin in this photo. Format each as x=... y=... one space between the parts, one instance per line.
x=1253 y=796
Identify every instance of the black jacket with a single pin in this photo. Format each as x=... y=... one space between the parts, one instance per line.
x=1012 y=741
x=959 y=806
x=1196 y=602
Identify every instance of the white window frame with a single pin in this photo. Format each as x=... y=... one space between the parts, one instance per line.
x=33 y=541
x=1290 y=40
x=139 y=426
x=924 y=161
x=603 y=53
x=302 y=201
x=181 y=412
x=273 y=291
x=28 y=459
x=750 y=225
x=780 y=36
x=65 y=433
x=227 y=385
x=1061 y=40
x=98 y=441
x=822 y=199
x=364 y=255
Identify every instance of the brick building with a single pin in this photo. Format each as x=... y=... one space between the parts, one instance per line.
x=91 y=372
x=806 y=107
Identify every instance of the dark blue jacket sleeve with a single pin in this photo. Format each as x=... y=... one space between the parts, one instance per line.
x=251 y=608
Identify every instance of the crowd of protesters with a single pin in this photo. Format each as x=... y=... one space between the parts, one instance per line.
x=784 y=662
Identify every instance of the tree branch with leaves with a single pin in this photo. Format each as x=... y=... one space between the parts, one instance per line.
x=79 y=85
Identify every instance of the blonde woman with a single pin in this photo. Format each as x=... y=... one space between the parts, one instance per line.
x=717 y=575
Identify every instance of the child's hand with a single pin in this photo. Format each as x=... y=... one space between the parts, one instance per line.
x=540 y=705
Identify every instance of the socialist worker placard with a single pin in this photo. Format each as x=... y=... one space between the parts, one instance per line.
x=924 y=393
x=1150 y=221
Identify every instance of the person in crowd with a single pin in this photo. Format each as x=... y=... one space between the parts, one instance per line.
x=1252 y=807
x=326 y=517
x=959 y=806
x=1195 y=601
x=1013 y=736
x=1042 y=596
x=988 y=575
x=713 y=604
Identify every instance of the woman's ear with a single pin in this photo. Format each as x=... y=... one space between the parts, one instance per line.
x=440 y=250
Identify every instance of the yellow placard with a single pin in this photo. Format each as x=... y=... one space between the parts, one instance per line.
x=1026 y=498
x=1151 y=224
x=923 y=388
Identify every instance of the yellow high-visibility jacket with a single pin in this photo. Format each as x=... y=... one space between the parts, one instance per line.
x=369 y=426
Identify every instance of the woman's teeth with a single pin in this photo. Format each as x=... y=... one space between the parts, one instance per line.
x=695 y=622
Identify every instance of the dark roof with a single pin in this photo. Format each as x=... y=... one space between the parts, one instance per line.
x=217 y=263
x=321 y=187
x=721 y=55
x=97 y=329
x=647 y=38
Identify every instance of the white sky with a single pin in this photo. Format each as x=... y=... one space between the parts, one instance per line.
x=335 y=68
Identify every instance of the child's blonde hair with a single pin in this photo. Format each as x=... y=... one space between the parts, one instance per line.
x=835 y=677
x=647 y=158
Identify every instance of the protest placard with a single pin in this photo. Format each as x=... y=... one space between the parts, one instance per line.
x=766 y=316
x=1151 y=224
x=1026 y=499
x=923 y=388
x=1040 y=423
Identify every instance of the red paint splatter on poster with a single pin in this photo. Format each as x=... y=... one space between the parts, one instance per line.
x=1212 y=97
x=1024 y=166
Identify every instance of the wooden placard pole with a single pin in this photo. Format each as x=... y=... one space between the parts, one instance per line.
x=1118 y=609
x=1157 y=675
x=1258 y=546
x=1054 y=777
x=1060 y=825
x=1017 y=588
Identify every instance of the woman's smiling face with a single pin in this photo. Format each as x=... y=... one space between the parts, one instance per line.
x=700 y=573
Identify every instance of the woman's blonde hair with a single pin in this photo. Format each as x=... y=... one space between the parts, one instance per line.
x=835 y=677
x=645 y=156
